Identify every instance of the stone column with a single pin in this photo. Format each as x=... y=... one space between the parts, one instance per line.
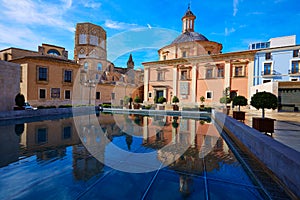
x=146 y=84
x=227 y=75
x=194 y=81
x=175 y=81
x=250 y=77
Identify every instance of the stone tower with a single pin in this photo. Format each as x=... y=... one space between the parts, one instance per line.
x=130 y=63
x=90 y=47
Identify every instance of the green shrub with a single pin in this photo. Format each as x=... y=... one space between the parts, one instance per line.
x=175 y=99
x=162 y=100
x=65 y=106
x=240 y=101
x=106 y=105
x=262 y=100
x=20 y=100
x=138 y=99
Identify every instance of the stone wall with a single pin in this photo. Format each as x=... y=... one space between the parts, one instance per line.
x=9 y=84
x=280 y=159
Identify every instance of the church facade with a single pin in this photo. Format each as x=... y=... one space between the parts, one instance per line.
x=193 y=66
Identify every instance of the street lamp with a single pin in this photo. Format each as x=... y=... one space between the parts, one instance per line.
x=91 y=83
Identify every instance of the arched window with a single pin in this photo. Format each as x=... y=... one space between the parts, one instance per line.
x=99 y=66
x=53 y=52
x=86 y=66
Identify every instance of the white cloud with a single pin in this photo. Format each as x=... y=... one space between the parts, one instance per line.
x=35 y=13
x=21 y=37
x=119 y=25
x=235 y=6
x=229 y=31
x=91 y=4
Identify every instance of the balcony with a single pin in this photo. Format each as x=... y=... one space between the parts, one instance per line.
x=270 y=73
x=295 y=72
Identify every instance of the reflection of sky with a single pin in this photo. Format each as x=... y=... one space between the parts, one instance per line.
x=230 y=172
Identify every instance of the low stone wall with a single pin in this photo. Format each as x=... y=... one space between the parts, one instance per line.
x=280 y=159
x=19 y=114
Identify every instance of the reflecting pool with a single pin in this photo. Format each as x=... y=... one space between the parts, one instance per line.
x=120 y=156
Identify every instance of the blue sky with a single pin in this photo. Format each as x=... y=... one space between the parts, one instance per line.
x=142 y=27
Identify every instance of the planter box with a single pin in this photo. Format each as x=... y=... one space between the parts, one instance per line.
x=136 y=106
x=239 y=115
x=265 y=125
x=175 y=107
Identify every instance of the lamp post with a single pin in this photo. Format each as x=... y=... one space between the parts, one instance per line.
x=89 y=83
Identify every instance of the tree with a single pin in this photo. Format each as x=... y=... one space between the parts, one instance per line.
x=162 y=100
x=226 y=99
x=20 y=100
x=202 y=99
x=240 y=101
x=262 y=100
x=175 y=99
x=126 y=100
x=137 y=99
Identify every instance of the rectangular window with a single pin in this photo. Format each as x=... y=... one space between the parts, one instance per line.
x=208 y=95
x=267 y=68
x=67 y=133
x=93 y=40
x=220 y=72
x=42 y=93
x=184 y=75
x=55 y=93
x=295 y=67
x=164 y=57
x=67 y=94
x=209 y=73
x=42 y=73
x=184 y=54
x=41 y=135
x=253 y=46
x=68 y=76
x=295 y=53
x=82 y=39
x=160 y=76
x=113 y=96
x=268 y=56
x=98 y=95
x=238 y=71
x=150 y=94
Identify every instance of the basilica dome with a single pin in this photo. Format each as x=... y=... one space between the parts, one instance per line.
x=189 y=37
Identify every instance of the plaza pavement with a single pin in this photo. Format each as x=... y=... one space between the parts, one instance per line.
x=286 y=126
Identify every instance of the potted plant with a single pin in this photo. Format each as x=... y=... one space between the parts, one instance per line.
x=161 y=100
x=175 y=100
x=202 y=99
x=239 y=101
x=137 y=101
x=264 y=100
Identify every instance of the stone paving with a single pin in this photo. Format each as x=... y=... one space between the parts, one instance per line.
x=286 y=126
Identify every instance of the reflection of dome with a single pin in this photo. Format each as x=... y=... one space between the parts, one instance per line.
x=189 y=37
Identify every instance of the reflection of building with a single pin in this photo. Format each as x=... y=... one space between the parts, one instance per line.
x=85 y=166
x=10 y=84
x=111 y=84
x=47 y=76
x=45 y=135
x=9 y=145
x=193 y=66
